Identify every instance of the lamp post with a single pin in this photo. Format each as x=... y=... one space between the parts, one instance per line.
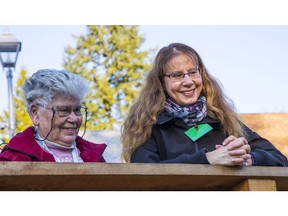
x=9 y=50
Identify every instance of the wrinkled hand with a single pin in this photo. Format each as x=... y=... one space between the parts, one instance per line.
x=233 y=151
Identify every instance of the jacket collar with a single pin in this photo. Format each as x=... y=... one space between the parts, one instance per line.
x=166 y=117
x=90 y=152
x=25 y=143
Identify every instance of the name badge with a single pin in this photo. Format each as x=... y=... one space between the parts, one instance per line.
x=198 y=131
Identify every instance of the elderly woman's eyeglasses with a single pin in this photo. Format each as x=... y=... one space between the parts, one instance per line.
x=179 y=76
x=66 y=111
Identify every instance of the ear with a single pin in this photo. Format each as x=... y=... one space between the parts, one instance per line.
x=34 y=114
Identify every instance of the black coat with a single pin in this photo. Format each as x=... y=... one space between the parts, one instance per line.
x=169 y=144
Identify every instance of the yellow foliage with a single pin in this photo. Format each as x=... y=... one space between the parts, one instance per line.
x=110 y=57
x=21 y=116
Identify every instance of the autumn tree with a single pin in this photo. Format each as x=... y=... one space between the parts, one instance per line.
x=21 y=116
x=111 y=59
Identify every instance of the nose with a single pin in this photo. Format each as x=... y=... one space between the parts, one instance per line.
x=187 y=80
x=73 y=117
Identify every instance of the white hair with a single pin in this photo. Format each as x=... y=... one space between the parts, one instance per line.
x=47 y=84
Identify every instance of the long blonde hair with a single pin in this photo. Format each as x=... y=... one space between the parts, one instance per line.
x=137 y=127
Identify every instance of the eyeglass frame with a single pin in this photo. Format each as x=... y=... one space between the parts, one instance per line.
x=198 y=69
x=54 y=111
x=70 y=110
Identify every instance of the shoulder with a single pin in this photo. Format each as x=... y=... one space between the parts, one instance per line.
x=89 y=151
x=22 y=138
x=19 y=147
x=83 y=143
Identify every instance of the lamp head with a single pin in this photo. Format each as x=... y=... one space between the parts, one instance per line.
x=9 y=49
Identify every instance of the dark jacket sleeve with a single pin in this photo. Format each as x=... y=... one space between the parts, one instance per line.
x=263 y=152
x=150 y=152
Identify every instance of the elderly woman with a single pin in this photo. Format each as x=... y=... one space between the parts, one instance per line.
x=182 y=116
x=54 y=105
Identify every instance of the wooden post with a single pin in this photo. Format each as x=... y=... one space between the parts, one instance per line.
x=256 y=185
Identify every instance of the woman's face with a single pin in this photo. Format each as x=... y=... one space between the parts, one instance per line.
x=65 y=129
x=187 y=90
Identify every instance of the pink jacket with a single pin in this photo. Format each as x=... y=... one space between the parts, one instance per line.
x=23 y=147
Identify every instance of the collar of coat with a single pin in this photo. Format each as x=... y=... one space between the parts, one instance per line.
x=166 y=117
x=25 y=142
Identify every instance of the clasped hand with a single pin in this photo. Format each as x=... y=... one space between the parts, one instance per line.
x=233 y=151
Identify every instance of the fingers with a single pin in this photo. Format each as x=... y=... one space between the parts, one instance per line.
x=247 y=148
x=243 y=160
x=236 y=143
x=228 y=140
x=238 y=152
x=241 y=155
x=248 y=162
x=218 y=146
x=233 y=151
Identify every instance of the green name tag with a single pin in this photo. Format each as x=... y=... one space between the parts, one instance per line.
x=195 y=133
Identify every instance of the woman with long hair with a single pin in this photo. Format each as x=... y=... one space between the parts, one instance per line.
x=183 y=116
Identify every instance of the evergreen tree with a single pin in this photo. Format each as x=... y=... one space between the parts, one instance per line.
x=111 y=59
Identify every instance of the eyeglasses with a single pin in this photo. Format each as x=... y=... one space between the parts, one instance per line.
x=179 y=76
x=66 y=111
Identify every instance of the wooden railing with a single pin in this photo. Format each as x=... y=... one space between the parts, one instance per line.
x=46 y=176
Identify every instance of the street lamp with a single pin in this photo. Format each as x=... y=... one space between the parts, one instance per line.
x=9 y=50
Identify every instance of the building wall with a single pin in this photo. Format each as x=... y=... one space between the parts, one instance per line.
x=272 y=126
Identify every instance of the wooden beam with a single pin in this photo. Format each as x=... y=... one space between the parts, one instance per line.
x=23 y=176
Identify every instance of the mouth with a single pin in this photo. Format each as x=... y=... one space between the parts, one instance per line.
x=70 y=129
x=188 y=92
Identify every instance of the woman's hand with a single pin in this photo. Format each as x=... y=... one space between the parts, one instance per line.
x=233 y=151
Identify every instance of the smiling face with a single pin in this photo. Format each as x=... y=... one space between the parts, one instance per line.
x=65 y=129
x=186 y=91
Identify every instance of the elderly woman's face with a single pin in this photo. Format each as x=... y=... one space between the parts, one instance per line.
x=183 y=90
x=65 y=129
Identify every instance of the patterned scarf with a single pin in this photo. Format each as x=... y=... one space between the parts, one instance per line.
x=191 y=114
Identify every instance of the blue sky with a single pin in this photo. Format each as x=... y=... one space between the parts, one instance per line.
x=249 y=60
